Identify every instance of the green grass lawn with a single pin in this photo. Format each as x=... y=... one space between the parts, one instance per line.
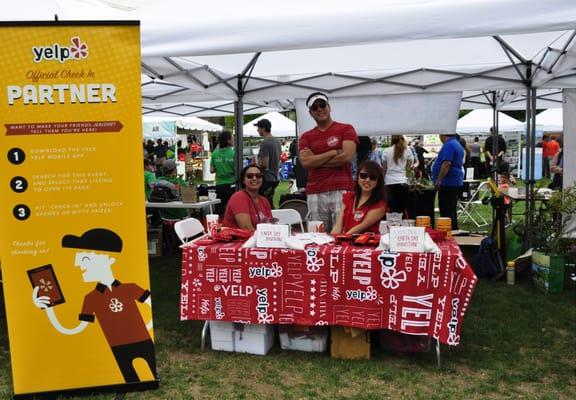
x=516 y=343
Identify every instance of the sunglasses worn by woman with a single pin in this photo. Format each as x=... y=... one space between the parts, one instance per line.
x=364 y=208
x=246 y=207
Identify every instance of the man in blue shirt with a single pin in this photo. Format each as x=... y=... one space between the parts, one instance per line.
x=448 y=176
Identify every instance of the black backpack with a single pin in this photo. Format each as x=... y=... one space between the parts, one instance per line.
x=488 y=262
x=163 y=192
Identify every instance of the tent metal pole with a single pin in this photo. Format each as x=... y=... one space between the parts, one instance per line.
x=529 y=159
x=495 y=132
x=239 y=130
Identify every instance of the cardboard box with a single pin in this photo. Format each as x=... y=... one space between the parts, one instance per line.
x=349 y=343
x=154 y=242
x=241 y=338
x=222 y=335
x=548 y=272
x=253 y=338
x=303 y=338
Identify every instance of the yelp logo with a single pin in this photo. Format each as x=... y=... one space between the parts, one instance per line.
x=78 y=50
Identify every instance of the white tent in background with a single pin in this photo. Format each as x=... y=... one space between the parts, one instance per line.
x=281 y=126
x=550 y=120
x=188 y=123
x=480 y=121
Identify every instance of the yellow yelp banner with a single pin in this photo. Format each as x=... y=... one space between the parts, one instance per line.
x=73 y=236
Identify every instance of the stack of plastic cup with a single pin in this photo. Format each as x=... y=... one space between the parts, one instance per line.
x=444 y=224
x=393 y=219
x=423 y=220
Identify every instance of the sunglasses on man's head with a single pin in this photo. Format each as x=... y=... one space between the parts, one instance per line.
x=364 y=175
x=257 y=175
x=318 y=104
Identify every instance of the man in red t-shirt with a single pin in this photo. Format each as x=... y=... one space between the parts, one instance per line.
x=550 y=148
x=326 y=151
x=111 y=302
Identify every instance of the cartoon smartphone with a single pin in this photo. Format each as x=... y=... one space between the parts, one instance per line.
x=45 y=279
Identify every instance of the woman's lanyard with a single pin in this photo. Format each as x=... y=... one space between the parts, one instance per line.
x=253 y=203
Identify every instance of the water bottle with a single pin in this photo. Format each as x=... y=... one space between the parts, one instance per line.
x=510 y=272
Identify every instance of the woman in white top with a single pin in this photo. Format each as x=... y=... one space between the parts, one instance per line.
x=398 y=159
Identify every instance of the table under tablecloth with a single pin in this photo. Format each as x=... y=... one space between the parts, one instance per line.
x=413 y=293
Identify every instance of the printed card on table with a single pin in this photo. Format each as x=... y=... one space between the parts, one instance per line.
x=271 y=235
x=407 y=238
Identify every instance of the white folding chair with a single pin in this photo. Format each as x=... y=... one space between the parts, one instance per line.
x=188 y=228
x=467 y=209
x=288 y=216
x=185 y=230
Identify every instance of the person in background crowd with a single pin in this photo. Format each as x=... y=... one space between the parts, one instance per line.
x=268 y=159
x=448 y=176
x=420 y=150
x=475 y=150
x=149 y=177
x=181 y=155
x=222 y=164
x=376 y=153
x=398 y=159
x=363 y=152
x=557 y=169
x=150 y=148
x=247 y=208
x=466 y=161
x=160 y=152
x=488 y=151
x=505 y=179
x=364 y=208
x=415 y=162
x=326 y=151
x=194 y=147
x=300 y=173
x=171 y=176
x=550 y=148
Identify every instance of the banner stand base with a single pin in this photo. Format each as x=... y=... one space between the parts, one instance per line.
x=121 y=388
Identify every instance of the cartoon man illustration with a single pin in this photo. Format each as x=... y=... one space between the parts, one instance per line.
x=111 y=302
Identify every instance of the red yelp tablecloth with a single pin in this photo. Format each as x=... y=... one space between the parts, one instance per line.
x=415 y=293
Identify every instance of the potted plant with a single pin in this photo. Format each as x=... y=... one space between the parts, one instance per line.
x=550 y=242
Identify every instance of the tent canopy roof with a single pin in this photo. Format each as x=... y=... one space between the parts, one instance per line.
x=189 y=123
x=269 y=54
x=480 y=121
x=551 y=120
x=281 y=126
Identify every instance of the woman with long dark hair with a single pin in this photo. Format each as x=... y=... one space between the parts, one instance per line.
x=247 y=208
x=364 y=208
x=398 y=159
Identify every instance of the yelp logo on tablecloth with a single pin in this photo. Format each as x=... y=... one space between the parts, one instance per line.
x=262 y=307
x=313 y=262
x=57 y=52
x=370 y=294
x=390 y=277
x=453 y=338
x=273 y=271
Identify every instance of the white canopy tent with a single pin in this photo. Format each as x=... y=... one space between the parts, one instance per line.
x=481 y=121
x=281 y=126
x=550 y=120
x=272 y=54
x=188 y=123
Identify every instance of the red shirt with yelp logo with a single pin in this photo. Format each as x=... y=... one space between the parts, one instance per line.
x=325 y=179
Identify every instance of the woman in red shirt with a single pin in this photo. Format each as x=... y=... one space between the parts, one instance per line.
x=364 y=208
x=246 y=208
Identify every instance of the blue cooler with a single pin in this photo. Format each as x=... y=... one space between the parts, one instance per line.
x=285 y=170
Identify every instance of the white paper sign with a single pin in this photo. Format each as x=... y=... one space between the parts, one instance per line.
x=407 y=238
x=271 y=235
